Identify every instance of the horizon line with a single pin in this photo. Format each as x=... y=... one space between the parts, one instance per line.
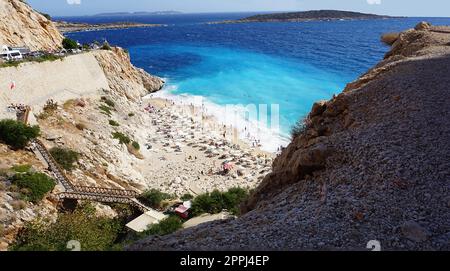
x=219 y=12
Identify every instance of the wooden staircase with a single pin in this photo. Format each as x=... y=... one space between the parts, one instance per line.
x=91 y=193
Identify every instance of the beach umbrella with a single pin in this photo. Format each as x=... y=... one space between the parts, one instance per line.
x=228 y=166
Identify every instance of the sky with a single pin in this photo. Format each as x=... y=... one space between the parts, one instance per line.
x=419 y=8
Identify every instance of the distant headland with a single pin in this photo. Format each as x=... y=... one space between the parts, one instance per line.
x=140 y=13
x=304 y=16
x=65 y=27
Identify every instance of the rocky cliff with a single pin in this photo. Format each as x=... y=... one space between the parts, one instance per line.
x=76 y=83
x=373 y=163
x=20 y=25
x=124 y=78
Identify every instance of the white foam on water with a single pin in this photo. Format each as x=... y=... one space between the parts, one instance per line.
x=249 y=128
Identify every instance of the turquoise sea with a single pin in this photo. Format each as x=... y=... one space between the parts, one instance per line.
x=286 y=64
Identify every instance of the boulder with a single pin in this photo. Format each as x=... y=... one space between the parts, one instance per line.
x=315 y=156
x=318 y=108
x=423 y=26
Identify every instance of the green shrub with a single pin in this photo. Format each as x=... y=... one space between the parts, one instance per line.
x=298 y=129
x=45 y=58
x=69 y=44
x=106 y=46
x=65 y=157
x=123 y=139
x=47 y=16
x=217 y=201
x=109 y=102
x=10 y=64
x=135 y=145
x=186 y=197
x=114 y=123
x=38 y=185
x=105 y=110
x=166 y=226
x=49 y=109
x=154 y=197
x=21 y=168
x=93 y=233
x=17 y=134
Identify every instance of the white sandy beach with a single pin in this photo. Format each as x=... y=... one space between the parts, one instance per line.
x=185 y=152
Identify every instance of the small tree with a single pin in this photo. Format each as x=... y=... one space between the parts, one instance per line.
x=17 y=134
x=69 y=44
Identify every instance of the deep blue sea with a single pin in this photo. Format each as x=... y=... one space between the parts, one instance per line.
x=289 y=64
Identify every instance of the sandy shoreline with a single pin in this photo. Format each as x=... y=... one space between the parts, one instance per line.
x=185 y=151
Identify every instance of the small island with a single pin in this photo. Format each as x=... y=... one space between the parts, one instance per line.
x=65 y=27
x=305 y=16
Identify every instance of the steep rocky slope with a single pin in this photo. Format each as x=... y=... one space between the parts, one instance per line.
x=373 y=163
x=20 y=25
x=14 y=211
x=76 y=83
x=125 y=79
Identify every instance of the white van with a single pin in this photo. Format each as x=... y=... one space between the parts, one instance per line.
x=7 y=54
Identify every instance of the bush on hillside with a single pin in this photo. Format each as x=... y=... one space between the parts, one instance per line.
x=186 y=197
x=109 y=102
x=69 y=44
x=298 y=129
x=105 y=110
x=123 y=139
x=17 y=134
x=154 y=197
x=94 y=233
x=114 y=123
x=47 y=16
x=135 y=145
x=65 y=157
x=106 y=46
x=166 y=226
x=217 y=201
x=46 y=57
x=21 y=168
x=37 y=185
